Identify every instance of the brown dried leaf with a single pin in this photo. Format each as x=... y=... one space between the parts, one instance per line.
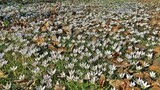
x=116 y=83
x=102 y=80
x=2 y=75
x=157 y=49
x=140 y=74
x=156 y=62
x=120 y=70
x=94 y=39
x=30 y=83
x=155 y=88
x=128 y=50
x=158 y=23
x=39 y=40
x=146 y=74
x=43 y=28
x=21 y=81
x=66 y=29
x=57 y=87
x=136 y=88
x=155 y=84
x=125 y=86
x=123 y=64
x=47 y=24
x=55 y=43
x=61 y=49
x=54 y=37
x=155 y=68
x=127 y=33
x=115 y=28
x=71 y=48
x=51 y=47
x=153 y=21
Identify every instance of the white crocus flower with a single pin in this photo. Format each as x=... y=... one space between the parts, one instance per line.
x=139 y=81
x=129 y=76
x=13 y=68
x=87 y=76
x=62 y=74
x=119 y=59
x=132 y=84
x=113 y=88
x=138 y=67
x=7 y=86
x=150 y=55
x=121 y=75
x=146 y=64
x=110 y=72
x=152 y=74
x=144 y=85
x=93 y=80
x=21 y=77
x=71 y=72
x=52 y=72
x=112 y=67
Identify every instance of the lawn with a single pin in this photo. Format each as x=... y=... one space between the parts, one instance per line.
x=89 y=45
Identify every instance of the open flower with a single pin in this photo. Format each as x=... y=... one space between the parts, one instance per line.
x=121 y=75
x=13 y=68
x=152 y=74
x=144 y=85
x=132 y=84
x=7 y=86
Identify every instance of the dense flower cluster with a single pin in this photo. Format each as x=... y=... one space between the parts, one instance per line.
x=80 y=44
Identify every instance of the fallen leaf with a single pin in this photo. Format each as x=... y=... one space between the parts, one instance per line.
x=155 y=84
x=115 y=28
x=2 y=75
x=123 y=64
x=157 y=49
x=55 y=43
x=155 y=88
x=140 y=74
x=156 y=62
x=39 y=40
x=127 y=33
x=30 y=83
x=61 y=49
x=129 y=50
x=115 y=54
x=66 y=29
x=54 y=37
x=136 y=88
x=146 y=74
x=58 y=87
x=51 y=47
x=149 y=80
x=43 y=28
x=153 y=21
x=116 y=83
x=158 y=23
x=94 y=39
x=71 y=48
x=155 y=68
x=21 y=81
x=126 y=85
x=102 y=80
x=1 y=86
x=120 y=70
x=47 y=24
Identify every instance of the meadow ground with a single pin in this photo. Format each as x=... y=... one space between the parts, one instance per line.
x=80 y=46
